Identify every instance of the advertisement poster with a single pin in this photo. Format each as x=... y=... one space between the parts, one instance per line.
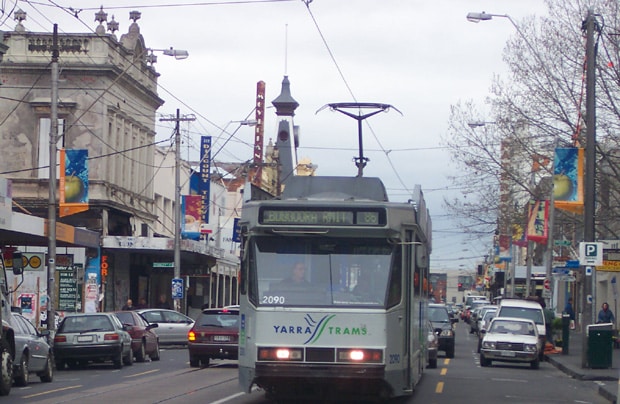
x=73 y=181
x=568 y=179
x=538 y=222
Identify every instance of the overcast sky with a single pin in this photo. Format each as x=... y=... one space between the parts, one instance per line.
x=419 y=56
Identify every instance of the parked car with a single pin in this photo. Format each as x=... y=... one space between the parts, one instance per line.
x=443 y=326
x=144 y=340
x=33 y=354
x=483 y=324
x=86 y=337
x=477 y=317
x=172 y=326
x=510 y=339
x=215 y=335
x=527 y=309
x=432 y=345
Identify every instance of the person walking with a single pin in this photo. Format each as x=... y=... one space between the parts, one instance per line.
x=128 y=305
x=163 y=303
x=568 y=309
x=605 y=315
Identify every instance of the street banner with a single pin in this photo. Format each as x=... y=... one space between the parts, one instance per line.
x=538 y=222
x=504 y=248
x=191 y=209
x=205 y=176
x=568 y=179
x=73 y=181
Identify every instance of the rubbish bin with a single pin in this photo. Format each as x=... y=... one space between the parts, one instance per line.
x=600 y=345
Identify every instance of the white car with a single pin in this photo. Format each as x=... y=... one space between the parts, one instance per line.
x=511 y=339
x=172 y=326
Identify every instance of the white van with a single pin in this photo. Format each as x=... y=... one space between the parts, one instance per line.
x=470 y=299
x=525 y=309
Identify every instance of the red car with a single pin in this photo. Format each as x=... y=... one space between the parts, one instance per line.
x=215 y=335
x=144 y=340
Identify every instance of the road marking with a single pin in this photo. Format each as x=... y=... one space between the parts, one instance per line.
x=439 y=388
x=53 y=391
x=446 y=361
x=443 y=371
x=143 y=373
x=229 y=398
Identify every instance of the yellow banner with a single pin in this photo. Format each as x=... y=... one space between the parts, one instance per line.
x=609 y=266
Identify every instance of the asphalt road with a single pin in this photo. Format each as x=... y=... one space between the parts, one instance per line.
x=171 y=380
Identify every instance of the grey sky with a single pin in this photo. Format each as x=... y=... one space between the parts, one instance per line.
x=420 y=56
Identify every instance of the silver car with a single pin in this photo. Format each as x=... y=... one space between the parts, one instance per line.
x=97 y=337
x=509 y=339
x=172 y=326
x=32 y=352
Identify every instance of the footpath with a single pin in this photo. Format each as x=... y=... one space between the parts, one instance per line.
x=571 y=364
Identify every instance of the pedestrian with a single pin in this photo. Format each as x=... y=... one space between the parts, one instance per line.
x=568 y=309
x=163 y=303
x=128 y=305
x=142 y=304
x=605 y=315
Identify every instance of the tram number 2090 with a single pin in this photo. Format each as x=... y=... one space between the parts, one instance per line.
x=273 y=299
x=394 y=358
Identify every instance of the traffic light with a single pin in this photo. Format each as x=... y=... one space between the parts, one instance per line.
x=480 y=269
x=460 y=287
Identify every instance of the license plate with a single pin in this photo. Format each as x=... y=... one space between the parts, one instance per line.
x=508 y=353
x=221 y=338
x=85 y=338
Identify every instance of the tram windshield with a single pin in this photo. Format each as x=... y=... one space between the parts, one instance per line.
x=324 y=272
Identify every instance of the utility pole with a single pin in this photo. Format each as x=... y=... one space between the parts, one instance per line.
x=589 y=283
x=177 y=196
x=51 y=223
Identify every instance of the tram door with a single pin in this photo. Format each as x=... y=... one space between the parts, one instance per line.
x=408 y=293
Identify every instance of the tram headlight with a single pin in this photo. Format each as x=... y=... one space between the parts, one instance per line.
x=360 y=355
x=280 y=354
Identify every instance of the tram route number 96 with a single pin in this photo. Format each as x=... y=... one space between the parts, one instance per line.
x=273 y=299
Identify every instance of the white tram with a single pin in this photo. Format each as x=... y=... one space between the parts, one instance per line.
x=353 y=323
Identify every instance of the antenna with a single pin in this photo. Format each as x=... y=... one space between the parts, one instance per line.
x=285 y=49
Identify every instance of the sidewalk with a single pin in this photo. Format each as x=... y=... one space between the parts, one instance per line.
x=571 y=365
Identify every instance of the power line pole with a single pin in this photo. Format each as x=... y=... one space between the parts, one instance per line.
x=51 y=225
x=589 y=289
x=177 y=195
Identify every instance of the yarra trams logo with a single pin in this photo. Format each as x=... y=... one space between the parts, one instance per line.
x=314 y=329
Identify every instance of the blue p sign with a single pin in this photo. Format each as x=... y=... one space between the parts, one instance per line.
x=591 y=250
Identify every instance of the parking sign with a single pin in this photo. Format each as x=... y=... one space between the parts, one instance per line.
x=177 y=288
x=590 y=253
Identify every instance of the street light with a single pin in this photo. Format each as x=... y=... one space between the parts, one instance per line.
x=178 y=54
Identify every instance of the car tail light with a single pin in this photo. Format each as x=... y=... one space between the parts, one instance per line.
x=111 y=337
x=60 y=338
x=191 y=335
x=361 y=355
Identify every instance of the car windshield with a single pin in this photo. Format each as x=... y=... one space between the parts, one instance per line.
x=438 y=315
x=229 y=320
x=512 y=327
x=86 y=324
x=126 y=318
x=535 y=315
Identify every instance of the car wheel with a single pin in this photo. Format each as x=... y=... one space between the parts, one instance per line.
x=60 y=364
x=118 y=361
x=535 y=364
x=484 y=362
x=204 y=362
x=155 y=355
x=432 y=363
x=128 y=360
x=48 y=373
x=21 y=379
x=6 y=367
x=194 y=362
x=141 y=353
x=479 y=344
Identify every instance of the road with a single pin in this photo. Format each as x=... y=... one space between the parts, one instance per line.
x=171 y=380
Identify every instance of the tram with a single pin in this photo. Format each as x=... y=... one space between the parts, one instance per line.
x=333 y=291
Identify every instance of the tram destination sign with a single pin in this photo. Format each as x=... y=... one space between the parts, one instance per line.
x=323 y=217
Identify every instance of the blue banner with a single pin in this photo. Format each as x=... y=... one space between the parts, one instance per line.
x=205 y=175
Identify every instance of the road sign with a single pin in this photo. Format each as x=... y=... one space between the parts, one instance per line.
x=546 y=292
x=163 y=264
x=591 y=253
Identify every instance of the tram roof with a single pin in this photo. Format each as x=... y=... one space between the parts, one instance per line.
x=343 y=188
